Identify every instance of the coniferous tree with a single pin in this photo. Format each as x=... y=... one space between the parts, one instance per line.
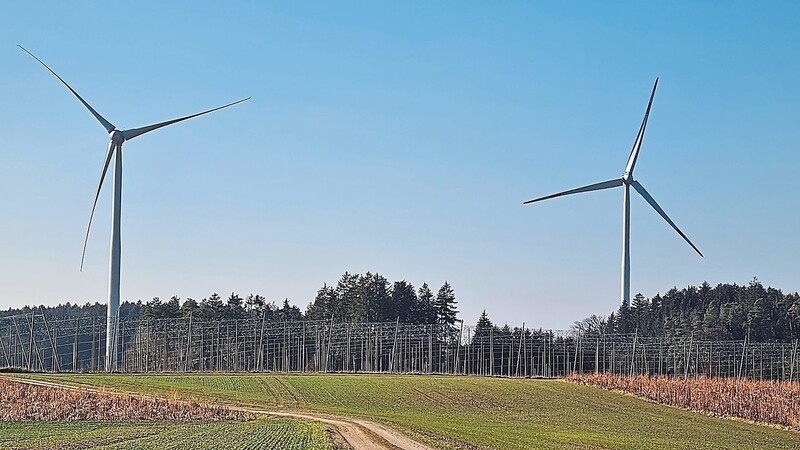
x=347 y=296
x=152 y=309
x=482 y=328
x=254 y=305
x=211 y=308
x=234 y=309
x=427 y=305
x=370 y=298
x=446 y=305
x=289 y=313
x=793 y=316
x=640 y=312
x=189 y=308
x=172 y=309
x=320 y=308
x=374 y=304
x=723 y=312
x=404 y=302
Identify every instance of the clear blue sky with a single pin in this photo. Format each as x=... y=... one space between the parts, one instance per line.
x=401 y=138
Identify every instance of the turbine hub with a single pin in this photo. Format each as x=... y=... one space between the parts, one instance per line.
x=117 y=137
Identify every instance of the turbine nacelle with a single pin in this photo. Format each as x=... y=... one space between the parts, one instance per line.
x=117 y=137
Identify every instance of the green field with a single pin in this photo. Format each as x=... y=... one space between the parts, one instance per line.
x=277 y=434
x=452 y=412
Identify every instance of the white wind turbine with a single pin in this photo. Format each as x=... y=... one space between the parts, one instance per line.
x=117 y=138
x=627 y=181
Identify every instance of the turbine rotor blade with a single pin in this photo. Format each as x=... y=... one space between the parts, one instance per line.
x=132 y=133
x=637 y=144
x=111 y=149
x=106 y=124
x=643 y=192
x=592 y=187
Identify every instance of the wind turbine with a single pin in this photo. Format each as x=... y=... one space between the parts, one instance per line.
x=116 y=139
x=627 y=181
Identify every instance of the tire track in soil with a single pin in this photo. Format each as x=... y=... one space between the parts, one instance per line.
x=270 y=391
x=359 y=434
x=289 y=390
x=430 y=397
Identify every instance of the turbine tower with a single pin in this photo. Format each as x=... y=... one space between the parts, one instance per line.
x=117 y=138
x=627 y=181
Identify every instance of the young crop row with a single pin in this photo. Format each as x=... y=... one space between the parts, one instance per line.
x=258 y=434
x=267 y=434
x=772 y=402
x=26 y=402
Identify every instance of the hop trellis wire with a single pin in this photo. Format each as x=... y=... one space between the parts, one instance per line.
x=35 y=342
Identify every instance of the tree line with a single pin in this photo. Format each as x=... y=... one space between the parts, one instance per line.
x=723 y=312
x=366 y=297
x=371 y=298
x=127 y=310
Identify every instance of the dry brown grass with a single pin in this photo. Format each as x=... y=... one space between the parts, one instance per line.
x=771 y=402
x=26 y=402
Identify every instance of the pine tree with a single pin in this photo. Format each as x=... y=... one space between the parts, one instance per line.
x=347 y=295
x=234 y=308
x=640 y=314
x=189 y=307
x=623 y=320
x=374 y=303
x=152 y=309
x=483 y=327
x=446 y=305
x=172 y=309
x=404 y=301
x=793 y=315
x=319 y=309
x=289 y=313
x=426 y=304
x=211 y=308
x=254 y=305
